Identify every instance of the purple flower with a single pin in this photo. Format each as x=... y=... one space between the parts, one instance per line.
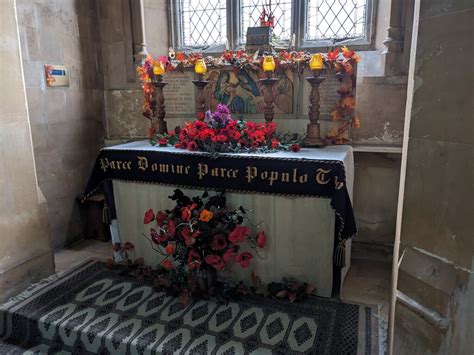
x=223 y=109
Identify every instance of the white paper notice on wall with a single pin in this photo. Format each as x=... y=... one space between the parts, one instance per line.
x=56 y=75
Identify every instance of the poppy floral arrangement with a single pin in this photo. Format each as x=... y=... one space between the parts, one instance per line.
x=218 y=132
x=202 y=233
x=198 y=238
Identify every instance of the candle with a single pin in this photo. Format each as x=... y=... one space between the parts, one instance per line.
x=200 y=67
x=293 y=41
x=316 y=62
x=226 y=44
x=158 y=68
x=268 y=63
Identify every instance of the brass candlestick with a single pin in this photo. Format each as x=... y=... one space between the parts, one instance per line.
x=313 y=134
x=200 y=99
x=268 y=83
x=158 y=119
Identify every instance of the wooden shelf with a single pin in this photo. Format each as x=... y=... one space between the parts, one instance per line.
x=368 y=148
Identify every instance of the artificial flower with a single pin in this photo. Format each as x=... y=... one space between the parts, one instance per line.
x=149 y=216
x=167 y=264
x=332 y=55
x=228 y=255
x=194 y=260
x=192 y=146
x=346 y=52
x=161 y=217
x=295 y=147
x=169 y=249
x=244 y=259
x=156 y=237
x=171 y=229
x=205 y=215
x=238 y=235
x=215 y=261
x=218 y=242
x=163 y=142
x=188 y=236
x=261 y=239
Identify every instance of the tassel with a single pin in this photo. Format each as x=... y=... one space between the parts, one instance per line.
x=106 y=214
x=340 y=254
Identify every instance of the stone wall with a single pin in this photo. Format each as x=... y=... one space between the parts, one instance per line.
x=434 y=309
x=25 y=255
x=66 y=122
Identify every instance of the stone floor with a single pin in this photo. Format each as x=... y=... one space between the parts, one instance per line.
x=75 y=254
x=367 y=282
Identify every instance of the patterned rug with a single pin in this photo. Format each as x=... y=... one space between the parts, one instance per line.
x=94 y=310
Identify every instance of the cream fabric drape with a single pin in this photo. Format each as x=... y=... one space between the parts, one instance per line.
x=300 y=230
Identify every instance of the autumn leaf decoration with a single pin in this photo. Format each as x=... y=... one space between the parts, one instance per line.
x=344 y=109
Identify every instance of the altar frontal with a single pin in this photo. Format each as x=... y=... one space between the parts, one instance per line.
x=260 y=174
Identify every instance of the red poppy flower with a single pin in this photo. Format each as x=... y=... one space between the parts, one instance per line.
x=333 y=55
x=171 y=229
x=295 y=148
x=215 y=261
x=163 y=142
x=167 y=264
x=200 y=115
x=189 y=239
x=192 y=146
x=161 y=216
x=185 y=214
x=218 y=242
x=194 y=260
x=244 y=259
x=156 y=237
x=261 y=239
x=238 y=235
x=199 y=125
x=270 y=129
x=228 y=255
x=149 y=216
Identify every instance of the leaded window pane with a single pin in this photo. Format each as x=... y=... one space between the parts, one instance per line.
x=336 y=19
x=204 y=22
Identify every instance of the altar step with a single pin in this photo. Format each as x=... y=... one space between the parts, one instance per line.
x=10 y=349
x=97 y=310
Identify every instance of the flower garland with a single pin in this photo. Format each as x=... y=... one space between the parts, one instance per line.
x=338 y=62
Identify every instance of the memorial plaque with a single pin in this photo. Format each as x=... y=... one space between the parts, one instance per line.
x=179 y=93
x=241 y=91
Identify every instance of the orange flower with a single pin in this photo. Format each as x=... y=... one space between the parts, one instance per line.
x=169 y=249
x=206 y=216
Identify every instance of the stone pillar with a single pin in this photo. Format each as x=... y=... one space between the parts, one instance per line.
x=25 y=253
x=138 y=27
x=394 y=41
